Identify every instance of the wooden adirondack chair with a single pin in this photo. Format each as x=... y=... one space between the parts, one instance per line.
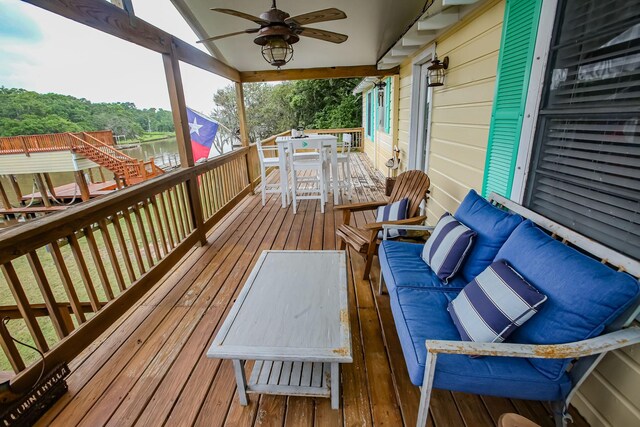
x=413 y=184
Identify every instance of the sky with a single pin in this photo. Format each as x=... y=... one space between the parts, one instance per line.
x=44 y=52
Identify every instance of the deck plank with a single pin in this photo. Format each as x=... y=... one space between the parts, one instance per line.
x=149 y=368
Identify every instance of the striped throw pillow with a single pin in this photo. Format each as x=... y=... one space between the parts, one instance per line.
x=393 y=212
x=447 y=247
x=494 y=304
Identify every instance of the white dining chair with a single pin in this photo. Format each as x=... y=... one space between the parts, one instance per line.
x=344 y=164
x=268 y=156
x=308 y=176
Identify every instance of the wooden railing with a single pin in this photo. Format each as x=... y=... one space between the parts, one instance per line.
x=357 y=135
x=48 y=142
x=68 y=276
x=72 y=274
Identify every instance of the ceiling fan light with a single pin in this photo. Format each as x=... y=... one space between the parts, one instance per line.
x=277 y=52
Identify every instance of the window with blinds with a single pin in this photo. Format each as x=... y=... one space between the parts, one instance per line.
x=585 y=170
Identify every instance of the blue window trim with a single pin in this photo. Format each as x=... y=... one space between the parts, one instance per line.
x=387 y=99
x=369 y=120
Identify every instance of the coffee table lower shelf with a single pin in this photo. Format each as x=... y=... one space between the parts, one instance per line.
x=312 y=379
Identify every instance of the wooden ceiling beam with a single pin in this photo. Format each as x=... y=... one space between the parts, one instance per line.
x=315 y=73
x=110 y=19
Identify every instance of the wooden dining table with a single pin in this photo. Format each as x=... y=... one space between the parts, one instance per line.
x=329 y=142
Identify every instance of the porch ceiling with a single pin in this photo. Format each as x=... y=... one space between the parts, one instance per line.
x=373 y=26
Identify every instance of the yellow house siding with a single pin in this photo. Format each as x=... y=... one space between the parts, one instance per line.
x=461 y=109
x=403 y=113
x=610 y=396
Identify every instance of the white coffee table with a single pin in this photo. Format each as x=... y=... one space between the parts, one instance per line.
x=292 y=318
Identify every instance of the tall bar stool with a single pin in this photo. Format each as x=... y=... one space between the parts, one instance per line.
x=269 y=159
x=344 y=163
x=305 y=186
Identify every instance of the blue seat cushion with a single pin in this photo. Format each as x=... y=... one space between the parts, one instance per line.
x=421 y=314
x=584 y=296
x=401 y=265
x=492 y=225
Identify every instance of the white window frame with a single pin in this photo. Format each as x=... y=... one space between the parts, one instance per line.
x=534 y=98
x=415 y=121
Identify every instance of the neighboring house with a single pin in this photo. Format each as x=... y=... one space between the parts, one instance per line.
x=541 y=103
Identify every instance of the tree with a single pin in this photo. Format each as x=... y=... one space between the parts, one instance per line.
x=24 y=112
x=271 y=109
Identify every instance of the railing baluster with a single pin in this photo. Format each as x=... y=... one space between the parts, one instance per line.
x=84 y=272
x=10 y=349
x=97 y=260
x=59 y=323
x=206 y=196
x=174 y=219
x=113 y=258
x=115 y=220
x=156 y=214
x=24 y=307
x=152 y=230
x=213 y=198
x=186 y=206
x=134 y=241
x=143 y=235
x=65 y=278
x=174 y=192
x=165 y=214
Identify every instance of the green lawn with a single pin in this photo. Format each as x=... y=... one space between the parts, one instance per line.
x=148 y=137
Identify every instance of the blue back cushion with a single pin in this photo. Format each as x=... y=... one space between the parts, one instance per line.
x=584 y=295
x=492 y=225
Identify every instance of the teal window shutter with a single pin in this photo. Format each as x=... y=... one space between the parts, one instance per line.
x=387 y=98
x=369 y=118
x=519 y=33
x=374 y=122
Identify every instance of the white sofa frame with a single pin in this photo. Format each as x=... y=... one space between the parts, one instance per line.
x=586 y=354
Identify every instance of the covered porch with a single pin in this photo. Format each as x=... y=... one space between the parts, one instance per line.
x=149 y=367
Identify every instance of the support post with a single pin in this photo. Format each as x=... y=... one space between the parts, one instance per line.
x=4 y=198
x=52 y=189
x=183 y=136
x=82 y=183
x=43 y=190
x=252 y=157
x=242 y=116
x=16 y=188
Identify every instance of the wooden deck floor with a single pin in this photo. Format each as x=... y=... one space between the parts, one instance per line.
x=150 y=369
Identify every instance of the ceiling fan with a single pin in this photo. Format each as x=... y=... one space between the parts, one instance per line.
x=278 y=30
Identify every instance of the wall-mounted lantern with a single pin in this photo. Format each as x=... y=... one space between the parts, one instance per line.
x=436 y=71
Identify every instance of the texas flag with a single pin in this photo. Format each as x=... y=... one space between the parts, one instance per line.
x=203 y=131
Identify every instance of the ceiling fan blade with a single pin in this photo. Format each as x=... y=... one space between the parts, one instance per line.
x=328 y=36
x=210 y=39
x=323 y=15
x=239 y=14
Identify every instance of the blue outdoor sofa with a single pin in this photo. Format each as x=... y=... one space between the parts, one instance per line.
x=586 y=298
